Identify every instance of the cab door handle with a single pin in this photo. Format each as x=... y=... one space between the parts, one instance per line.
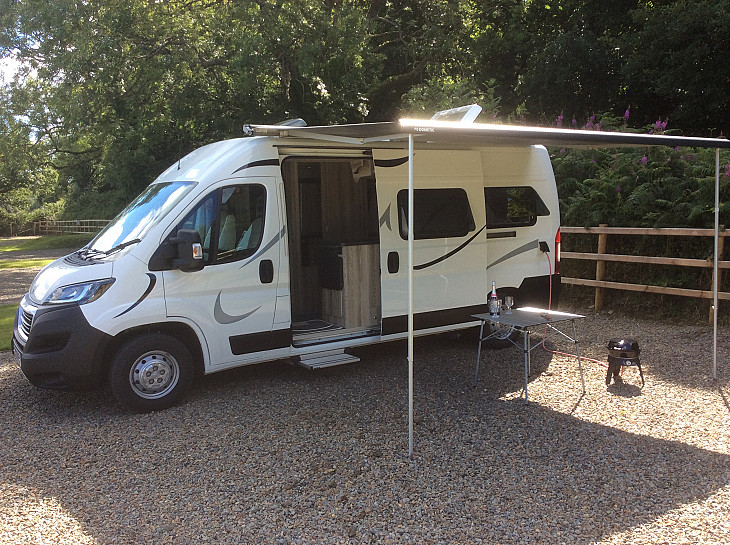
x=266 y=271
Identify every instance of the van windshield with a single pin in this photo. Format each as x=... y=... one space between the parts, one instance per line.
x=140 y=216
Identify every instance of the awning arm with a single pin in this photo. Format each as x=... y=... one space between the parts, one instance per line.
x=716 y=277
x=410 y=295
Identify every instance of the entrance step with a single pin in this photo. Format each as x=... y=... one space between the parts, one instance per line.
x=330 y=358
x=333 y=335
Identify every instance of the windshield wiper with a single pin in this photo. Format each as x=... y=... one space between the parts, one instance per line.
x=121 y=246
x=88 y=253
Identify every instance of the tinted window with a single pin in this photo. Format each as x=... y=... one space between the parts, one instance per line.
x=439 y=213
x=513 y=206
x=230 y=222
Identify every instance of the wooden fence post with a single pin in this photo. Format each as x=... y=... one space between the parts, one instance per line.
x=600 y=268
x=720 y=251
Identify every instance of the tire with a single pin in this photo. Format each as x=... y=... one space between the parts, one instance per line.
x=151 y=372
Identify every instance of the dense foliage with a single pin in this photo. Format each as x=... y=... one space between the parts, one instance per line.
x=110 y=92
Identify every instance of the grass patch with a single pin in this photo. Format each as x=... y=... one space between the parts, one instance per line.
x=44 y=243
x=7 y=318
x=24 y=263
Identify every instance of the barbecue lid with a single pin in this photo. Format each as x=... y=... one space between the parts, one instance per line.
x=624 y=344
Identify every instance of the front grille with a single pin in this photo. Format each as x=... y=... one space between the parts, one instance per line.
x=26 y=320
x=26 y=313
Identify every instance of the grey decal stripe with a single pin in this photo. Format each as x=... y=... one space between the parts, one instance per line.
x=153 y=281
x=389 y=163
x=274 y=240
x=266 y=248
x=222 y=318
x=517 y=251
x=262 y=163
x=385 y=219
x=448 y=255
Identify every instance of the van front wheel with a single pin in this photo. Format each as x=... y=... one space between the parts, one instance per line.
x=151 y=372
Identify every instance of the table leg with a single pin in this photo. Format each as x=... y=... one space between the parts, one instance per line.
x=479 y=353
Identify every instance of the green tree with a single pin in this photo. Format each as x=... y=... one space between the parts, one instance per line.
x=676 y=64
x=554 y=57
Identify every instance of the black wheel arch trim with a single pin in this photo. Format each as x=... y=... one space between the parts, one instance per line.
x=153 y=282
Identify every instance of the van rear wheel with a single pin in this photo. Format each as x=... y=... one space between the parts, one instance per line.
x=151 y=372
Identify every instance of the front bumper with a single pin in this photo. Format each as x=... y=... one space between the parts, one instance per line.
x=57 y=348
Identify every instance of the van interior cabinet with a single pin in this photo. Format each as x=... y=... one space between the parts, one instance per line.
x=357 y=303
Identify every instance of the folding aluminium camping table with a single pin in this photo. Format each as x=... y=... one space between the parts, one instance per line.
x=524 y=320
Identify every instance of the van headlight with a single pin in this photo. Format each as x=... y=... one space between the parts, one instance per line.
x=82 y=293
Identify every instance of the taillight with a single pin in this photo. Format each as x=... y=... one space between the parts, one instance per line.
x=557 y=252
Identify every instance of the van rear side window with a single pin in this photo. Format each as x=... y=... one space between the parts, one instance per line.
x=439 y=213
x=517 y=206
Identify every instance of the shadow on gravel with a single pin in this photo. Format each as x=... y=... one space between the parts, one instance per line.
x=620 y=388
x=276 y=454
x=724 y=392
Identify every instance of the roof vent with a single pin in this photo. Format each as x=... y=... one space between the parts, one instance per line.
x=296 y=122
x=462 y=114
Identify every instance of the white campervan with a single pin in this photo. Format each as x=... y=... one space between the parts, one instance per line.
x=295 y=246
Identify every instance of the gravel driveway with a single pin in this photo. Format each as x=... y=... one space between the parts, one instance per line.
x=276 y=454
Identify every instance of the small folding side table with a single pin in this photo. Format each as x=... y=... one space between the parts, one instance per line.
x=523 y=320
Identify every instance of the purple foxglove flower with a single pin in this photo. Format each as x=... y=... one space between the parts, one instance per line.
x=644 y=160
x=626 y=115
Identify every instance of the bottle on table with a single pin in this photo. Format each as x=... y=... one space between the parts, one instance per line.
x=493 y=301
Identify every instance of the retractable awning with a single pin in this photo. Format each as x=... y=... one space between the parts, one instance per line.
x=435 y=132
x=478 y=135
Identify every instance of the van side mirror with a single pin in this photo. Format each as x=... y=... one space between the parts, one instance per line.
x=183 y=251
x=189 y=255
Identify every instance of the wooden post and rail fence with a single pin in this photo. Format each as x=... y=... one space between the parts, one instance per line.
x=601 y=258
x=68 y=227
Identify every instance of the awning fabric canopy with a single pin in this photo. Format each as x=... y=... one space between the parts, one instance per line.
x=479 y=134
x=409 y=132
